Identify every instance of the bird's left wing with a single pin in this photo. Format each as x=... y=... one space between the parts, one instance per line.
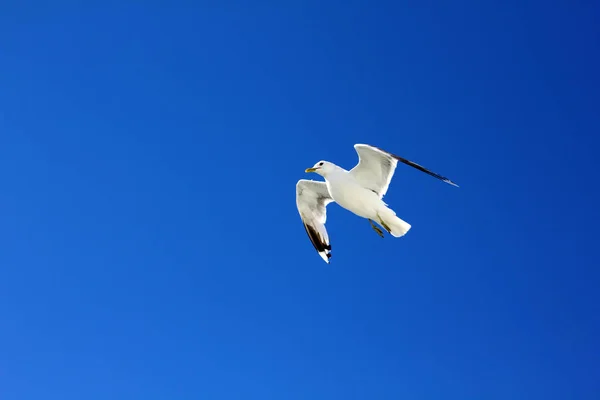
x=312 y=198
x=376 y=167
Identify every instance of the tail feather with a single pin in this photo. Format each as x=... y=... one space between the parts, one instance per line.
x=398 y=227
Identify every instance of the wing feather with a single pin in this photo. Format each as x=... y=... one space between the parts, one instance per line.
x=312 y=198
x=376 y=168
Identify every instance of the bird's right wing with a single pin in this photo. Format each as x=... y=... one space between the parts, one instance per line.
x=312 y=198
x=376 y=167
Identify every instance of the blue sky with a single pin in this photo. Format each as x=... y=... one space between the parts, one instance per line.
x=151 y=244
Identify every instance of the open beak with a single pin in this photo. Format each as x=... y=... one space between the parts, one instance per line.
x=310 y=169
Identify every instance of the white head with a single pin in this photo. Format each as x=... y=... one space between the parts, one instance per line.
x=322 y=168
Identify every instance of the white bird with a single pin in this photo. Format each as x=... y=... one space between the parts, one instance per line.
x=359 y=191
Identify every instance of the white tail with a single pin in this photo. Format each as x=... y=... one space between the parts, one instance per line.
x=398 y=226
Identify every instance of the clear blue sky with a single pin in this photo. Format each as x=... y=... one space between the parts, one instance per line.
x=151 y=248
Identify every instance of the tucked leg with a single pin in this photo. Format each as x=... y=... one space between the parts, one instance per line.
x=376 y=229
x=387 y=228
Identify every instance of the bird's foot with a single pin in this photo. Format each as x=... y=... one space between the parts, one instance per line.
x=376 y=229
x=387 y=228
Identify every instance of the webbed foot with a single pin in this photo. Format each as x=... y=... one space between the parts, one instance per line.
x=387 y=228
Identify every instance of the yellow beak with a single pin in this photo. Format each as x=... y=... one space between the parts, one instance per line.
x=310 y=169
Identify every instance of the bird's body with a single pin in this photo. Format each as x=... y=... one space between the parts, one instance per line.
x=359 y=191
x=349 y=194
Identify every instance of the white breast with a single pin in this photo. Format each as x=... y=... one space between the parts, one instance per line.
x=349 y=194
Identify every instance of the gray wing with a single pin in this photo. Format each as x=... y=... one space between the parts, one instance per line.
x=376 y=167
x=312 y=198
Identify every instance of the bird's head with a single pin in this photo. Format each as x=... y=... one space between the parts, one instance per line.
x=322 y=168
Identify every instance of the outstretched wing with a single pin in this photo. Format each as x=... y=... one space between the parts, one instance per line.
x=312 y=198
x=376 y=167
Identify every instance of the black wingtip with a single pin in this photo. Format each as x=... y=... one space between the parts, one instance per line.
x=448 y=181
x=318 y=243
x=419 y=167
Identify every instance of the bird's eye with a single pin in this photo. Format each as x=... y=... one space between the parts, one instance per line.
x=320 y=163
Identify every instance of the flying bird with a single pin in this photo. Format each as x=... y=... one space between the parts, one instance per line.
x=359 y=191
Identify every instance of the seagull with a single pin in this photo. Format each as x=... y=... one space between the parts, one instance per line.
x=359 y=191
